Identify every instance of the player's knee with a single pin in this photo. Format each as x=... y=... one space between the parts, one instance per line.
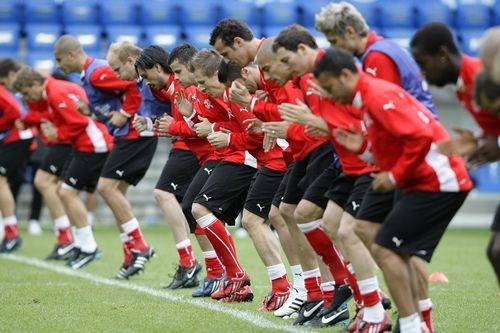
x=287 y=211
x=362 y=231
x=331 y=230
x=346 y=233
x=40 y=182
x=276 y=219
x=161 y=196
x=199 y=211
x=63 y=194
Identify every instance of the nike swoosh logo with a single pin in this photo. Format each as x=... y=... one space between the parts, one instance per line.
x=190 y=274
x=10 y=244
x=308 y=313
x=64 y=250
x=326 y=320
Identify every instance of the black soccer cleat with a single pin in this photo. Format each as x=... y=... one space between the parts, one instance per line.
x=208 y=286
x=185 y=277
x=139 y=260
x=10 y=245
x=308 y=311
x=84 y=258
x=62 y=252
x=121 y=275
x=330 y=316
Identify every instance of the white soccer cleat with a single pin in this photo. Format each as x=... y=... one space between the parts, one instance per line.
x=292 y=304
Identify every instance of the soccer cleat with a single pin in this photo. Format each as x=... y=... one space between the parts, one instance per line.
x=355 y=321
x=368 y=327
x=185 y=277
x=34 y=228
x=139 y=260
x=308 y=311
x=231 y=286
x=292 y=304
x=84 y=258
x=208 y=286
x=274 y=300
x=62 y=252
x=244 y=294
x=121 y=275
x=330 y=316
x=10 y=245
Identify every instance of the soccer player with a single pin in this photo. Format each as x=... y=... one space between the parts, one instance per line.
x=47 y=178
x=182 y=165
x=90 y=142
x=114 y=102
x=402 y=135
x=490 y=52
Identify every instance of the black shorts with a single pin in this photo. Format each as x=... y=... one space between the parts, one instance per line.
x=55 y=158
x=199 y=180
x=130 y=159
x=178 y=172
x=375 y=206
x=280 y=192
x=418 y=221
x=225 y=191
x=315 y=193
x=83 y=170
x=261 y=194
x=306 y=171
x=13 y=157
x=496 y=220
x=348 y=192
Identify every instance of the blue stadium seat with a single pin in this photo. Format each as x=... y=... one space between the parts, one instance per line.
x=10 y=35
x=115 y=12
x=433 y=11
x=309 y=9
x=370 y=11
x=487 y=177
x=471 y=40
x=321 y=40
x=14 y=54
x=159 y=12
x=41 y=60
x=397 y=14
x=41 y=11
x=80 y=12
x=280 y=13
x=473 y=16
x=198 y=12
x=89 y=36
x=400 y=35
x=199 y=36
x=10 y=11
x=270 y=31
x=496 y=13
x=41 y=37
x=247 y=12
x=118 y=33
x=167 y=37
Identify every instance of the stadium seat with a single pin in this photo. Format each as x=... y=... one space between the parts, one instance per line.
x=80 y=12
x=42 y=61
x=269 y=31
x=165 y=36
x=118 y=33
x=41 y=11
x=115 y=12
x=89 y=36
x=496 y=13
x=433 y=11
x=14 y=54
x=10 y=35
x=321 y=40
x=159 y=12
x=10 y=11
x=487 y=177
x=400 y=36
x=370 y=11
x=41 y=37
x=473 y=16
x=397 y=14
x=309 y=9
x=471 y=40
x=247 y=12
x=280 y=13
x=198 y=12
x=199 y=36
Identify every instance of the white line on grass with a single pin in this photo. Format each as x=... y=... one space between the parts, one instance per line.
x=249 y=317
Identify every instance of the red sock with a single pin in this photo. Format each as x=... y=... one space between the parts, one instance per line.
x=323 y=246
x=280 y=284
x=231 y=240
x=140 y=243
x=426 y=310
x=11 y=231
x=371 y=298
x=353 y=283
x=64 y=236
x=328 y=293
x=127 y=255
x=199 y=230
x=214 y=267
x=185 y=251
x=224 y=247
x=312 y=282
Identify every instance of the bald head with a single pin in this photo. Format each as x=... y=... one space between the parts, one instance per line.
x=265 y=52
x=69 y=54
x=490 y=52
x=67 y=43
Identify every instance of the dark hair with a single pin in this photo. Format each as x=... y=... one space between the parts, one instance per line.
x=484 y=85
x=25 y=78
x=431 y=37
x=228 y=72
x=334 y=61
x=151 y=56
x=228 y=29
x=182 y=53
x=7 y=65
x=292 y=36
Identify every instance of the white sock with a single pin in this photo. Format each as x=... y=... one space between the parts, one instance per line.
x=375 y=313
x=90 y=218
x=327 y=286
x=310 y=226
x=276 y=271
x=125 y=238
x=10 y=220
x=76 y=238
x=62 y=222
x=130 y=226
x=410 y=324
x=206 y=220
x=425 y=304
x=298 y=278
x=209 y=254
x=86 y=237
x=312 y=273
x=181 y=245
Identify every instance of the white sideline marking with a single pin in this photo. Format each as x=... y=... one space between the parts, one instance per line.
x=213 y=306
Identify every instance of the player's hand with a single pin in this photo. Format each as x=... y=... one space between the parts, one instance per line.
x=253 y=126
x=488 y=151
x=269 y=141
x=276 y=129
x=184 y=104
x=117 y=119
x=162 y=125
x=239 y=94
x=298 y=113
x=315 y=133
x=465 y=144
x=19 y=124
x=382 y=182
x=203 y=128
x=49 y=130
x=352 y=140
x=317 y=89
x=262 y=95
x=219 y=139
x=140 y=123
x=82 y=107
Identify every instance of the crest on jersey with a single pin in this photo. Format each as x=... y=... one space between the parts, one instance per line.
x=207 y=104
